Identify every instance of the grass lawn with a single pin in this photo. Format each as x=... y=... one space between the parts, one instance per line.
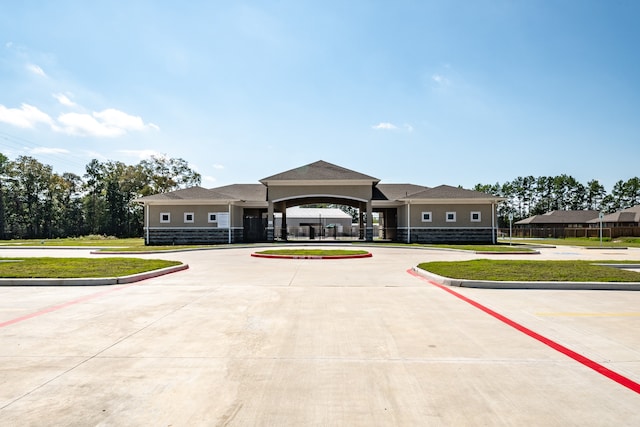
x=50 y=268
x=532 y=271
x=485 y=248
x=631 y=242
x=89 y=241
x=313 y=252
x=111 y=244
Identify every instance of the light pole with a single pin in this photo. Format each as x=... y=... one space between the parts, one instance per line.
x=510 y=227
x=601 y=215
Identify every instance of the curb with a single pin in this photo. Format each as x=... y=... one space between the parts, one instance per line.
x=273 y=256
x=490 y=284
x=94 y=281
x=508 y=253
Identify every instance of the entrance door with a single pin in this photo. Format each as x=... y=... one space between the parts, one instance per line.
x=255 y=226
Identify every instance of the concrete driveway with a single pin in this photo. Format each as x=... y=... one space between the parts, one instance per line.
x=237 y=340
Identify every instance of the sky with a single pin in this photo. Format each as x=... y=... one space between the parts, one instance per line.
x=423 y=92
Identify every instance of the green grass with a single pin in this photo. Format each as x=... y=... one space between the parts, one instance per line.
x=88 y=241
x=631 y=242
x=462 y=247
x=110 y=244
x=485 y=248
x=532 y=271
x=158 y=248
x=45 y=267
x=313 y=252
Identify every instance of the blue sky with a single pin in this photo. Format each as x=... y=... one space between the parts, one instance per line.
x=448 y=92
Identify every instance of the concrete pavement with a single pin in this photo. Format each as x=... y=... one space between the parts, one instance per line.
x=238 y=340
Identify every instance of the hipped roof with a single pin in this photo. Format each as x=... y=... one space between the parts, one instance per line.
x=325 y=172
x=624 y=216
x=561 y=217
x=319 y=171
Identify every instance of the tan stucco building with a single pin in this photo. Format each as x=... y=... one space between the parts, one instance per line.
x=245 y=212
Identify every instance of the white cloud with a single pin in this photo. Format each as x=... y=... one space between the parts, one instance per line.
x=86 y=125
x=36 y=70
x=218 y=166
x=49 y=150
x=106 y=123
x=64 y=99
x=118 y=119
x=408 y=127
x=384 y=126
x=27 y=116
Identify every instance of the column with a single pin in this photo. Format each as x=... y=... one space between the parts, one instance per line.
x=270 y=223
x=369 y=230
x=283 y=230
x=360 y=221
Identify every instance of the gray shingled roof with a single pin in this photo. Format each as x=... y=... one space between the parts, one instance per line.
x=561 y=217
x=253 y=192
x=191 y=193
x=395 y=191
x=626 y=215
x=317 y=171
x=448 y=192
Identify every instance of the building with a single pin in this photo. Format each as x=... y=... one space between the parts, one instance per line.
x=624 y=223
x=246 y=212
x=556 y=224
x=559 y=219
x=629 y=217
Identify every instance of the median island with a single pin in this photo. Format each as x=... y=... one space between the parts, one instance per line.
x=78 y=268
x=535 y=271
x=312 y=254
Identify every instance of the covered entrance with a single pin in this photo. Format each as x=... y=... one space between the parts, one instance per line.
x=319 y=182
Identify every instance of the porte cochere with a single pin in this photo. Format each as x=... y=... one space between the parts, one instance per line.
x=243 y=213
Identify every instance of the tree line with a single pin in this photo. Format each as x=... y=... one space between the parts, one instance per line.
x=36 y=202
x=527 y=196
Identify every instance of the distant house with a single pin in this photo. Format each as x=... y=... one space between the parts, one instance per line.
x=556 y=224
x=559 y=219
x=625 y=218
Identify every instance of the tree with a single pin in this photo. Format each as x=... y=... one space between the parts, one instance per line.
x=167 y=174
x=28 y=185
x=594 y=195
x=4 y=167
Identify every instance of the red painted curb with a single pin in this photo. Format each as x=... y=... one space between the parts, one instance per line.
x=602 y=370
x=272 y=256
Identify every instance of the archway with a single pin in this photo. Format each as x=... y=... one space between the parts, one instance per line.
x=316 y=226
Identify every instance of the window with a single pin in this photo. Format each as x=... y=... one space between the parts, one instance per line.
x=426 y=216
x=189 y=217
x=165 y=217
x=476 y=217
x=451 y=217
x=213 y=217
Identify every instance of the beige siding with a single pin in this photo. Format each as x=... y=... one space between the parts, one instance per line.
x=347 y=191
x=438 y=215
x=201 y=215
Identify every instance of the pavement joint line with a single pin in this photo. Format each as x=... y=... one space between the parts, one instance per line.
x=559 y=314
x=591 y=364
x=86 y=359
x=60 y=306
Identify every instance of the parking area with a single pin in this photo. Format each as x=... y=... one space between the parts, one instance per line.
x=238 y=340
